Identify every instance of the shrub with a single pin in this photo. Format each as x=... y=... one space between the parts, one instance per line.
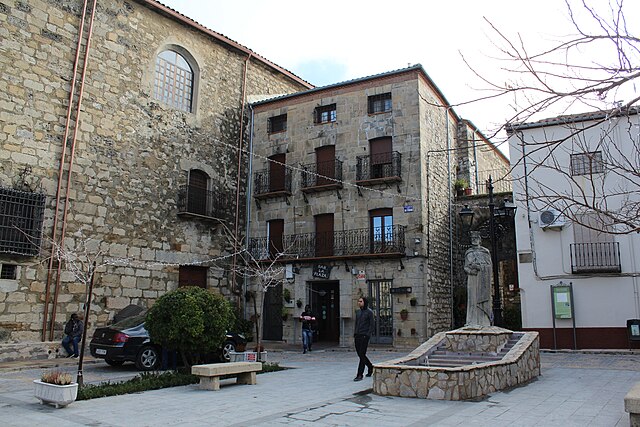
x=191 y=320
x=57 y=377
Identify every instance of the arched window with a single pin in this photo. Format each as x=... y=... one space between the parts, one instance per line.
x=174 y=80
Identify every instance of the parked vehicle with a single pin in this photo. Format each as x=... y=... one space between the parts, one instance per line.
x=128 y=341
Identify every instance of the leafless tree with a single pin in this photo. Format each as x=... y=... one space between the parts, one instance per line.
x=590 y=70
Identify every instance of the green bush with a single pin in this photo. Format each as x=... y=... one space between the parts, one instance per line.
x=191 y=320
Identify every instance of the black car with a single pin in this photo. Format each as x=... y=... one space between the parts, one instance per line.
x=128 y=341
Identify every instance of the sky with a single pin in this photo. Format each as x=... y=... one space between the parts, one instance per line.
x=332 y=41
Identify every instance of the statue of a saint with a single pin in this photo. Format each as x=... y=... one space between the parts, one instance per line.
x=477 y=264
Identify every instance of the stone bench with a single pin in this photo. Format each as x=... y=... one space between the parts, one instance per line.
x=632 y=405
x=210 y=374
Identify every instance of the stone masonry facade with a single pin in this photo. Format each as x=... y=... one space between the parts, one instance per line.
x=132 y=152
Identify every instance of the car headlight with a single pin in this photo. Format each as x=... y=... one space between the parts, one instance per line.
x=242 y=336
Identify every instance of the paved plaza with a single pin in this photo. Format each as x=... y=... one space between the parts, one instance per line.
x=575 y=389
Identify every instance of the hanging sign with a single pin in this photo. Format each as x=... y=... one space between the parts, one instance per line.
x=401 y=290
x=321 y=271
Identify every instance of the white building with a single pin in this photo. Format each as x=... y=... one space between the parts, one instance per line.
x=576 y=186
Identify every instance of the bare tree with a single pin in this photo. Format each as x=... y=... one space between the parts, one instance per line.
x=566 y=77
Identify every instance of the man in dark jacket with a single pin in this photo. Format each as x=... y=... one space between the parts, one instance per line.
x=362 y=332
x=73 y=332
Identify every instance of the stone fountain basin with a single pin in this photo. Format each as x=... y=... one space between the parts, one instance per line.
x=496 y=358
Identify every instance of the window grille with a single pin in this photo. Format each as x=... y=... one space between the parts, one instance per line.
x=21 y=216
x=174 y=80
x=380 y=103
x=277 y=124
x=587 y=163
x=325 y=114
x=8 y=271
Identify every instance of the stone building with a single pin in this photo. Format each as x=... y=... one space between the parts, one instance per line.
x=352 y=189
x=120 y=130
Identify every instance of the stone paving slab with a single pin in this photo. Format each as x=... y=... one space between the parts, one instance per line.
x=584 y=390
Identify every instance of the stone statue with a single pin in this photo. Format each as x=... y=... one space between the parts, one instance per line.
x=477 y=264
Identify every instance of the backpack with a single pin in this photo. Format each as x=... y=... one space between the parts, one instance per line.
x=68 y=328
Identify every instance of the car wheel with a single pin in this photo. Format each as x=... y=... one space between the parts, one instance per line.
x=227 y=348
x=114 y=362
x=148 y=358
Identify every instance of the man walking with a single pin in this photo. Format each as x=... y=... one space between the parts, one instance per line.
x=361 y=333
x=73 y=332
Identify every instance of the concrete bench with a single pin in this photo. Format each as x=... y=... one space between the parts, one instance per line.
x=632 y=405
x=210 y=374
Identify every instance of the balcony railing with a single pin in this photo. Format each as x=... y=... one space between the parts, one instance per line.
x=356 y=243
x=268 y=183
x=501 y=182
x=322 y=175
x=198 y=202
x=378 y=167
x=602 y=257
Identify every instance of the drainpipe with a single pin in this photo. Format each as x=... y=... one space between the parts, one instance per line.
x=248 y=196
x=240 y=143
x=61 y=168
x=446 y=112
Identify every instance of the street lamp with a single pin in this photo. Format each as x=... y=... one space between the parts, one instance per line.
x=506 y=210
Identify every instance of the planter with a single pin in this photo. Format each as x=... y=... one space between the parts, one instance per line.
x=404 y=315
x=58 y=395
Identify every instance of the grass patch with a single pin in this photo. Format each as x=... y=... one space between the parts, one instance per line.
x=151 y=381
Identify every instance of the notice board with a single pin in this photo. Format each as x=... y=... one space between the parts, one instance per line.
x=562 y=304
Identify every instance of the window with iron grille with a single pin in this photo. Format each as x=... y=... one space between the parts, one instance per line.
x=8 y=271
x=277 y=124
x=21 y=215
x=380 y=103
x=587 y=163
x=174 y=79
x=325 y=114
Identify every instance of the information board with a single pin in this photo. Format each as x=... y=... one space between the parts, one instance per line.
x=562 y=302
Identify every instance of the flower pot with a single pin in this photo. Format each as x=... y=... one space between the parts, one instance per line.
x=404 y=315
x=58 y=395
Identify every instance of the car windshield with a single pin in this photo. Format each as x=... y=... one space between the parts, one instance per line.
x=130 y=322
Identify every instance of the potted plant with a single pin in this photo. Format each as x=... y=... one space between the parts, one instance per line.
x=56 y=387
x=413 y=301
x=461 y=185
x=286 y=295
x=299 y=303
x=404 y=314
x=285 y=314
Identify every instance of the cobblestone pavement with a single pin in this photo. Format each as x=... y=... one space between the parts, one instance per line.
x=575 y=389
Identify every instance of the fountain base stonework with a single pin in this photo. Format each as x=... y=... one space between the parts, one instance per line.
x=462 y=364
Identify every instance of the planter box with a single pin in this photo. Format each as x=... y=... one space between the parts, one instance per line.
x=58 y=395
x=248 y=356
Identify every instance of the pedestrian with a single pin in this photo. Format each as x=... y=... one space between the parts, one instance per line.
x=361 y=334
x=73 y=334
x=307 y=318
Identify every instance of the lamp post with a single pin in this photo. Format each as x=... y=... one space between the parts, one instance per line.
x=507 y=209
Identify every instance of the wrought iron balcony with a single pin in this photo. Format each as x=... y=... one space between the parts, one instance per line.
x=382 y=167
x=194 y=201
x=322 y=176
x=357 y=243
x=269 y=183
x=601 y=257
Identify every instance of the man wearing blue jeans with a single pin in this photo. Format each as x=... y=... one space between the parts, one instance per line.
x=73 y=334
x=307 y=328
x=362 y=331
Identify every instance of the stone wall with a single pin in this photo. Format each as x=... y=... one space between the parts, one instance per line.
x=132 y=152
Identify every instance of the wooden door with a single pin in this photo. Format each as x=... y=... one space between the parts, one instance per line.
x=325 y=305
x=325 y=164
x=190 y=275
x=197 y=192
x=380 y=149
x=272 y=324
x=324 y=234
x=275 y=230
x=277 y=172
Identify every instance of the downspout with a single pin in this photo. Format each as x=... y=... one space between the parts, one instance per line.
x=248 y=211
x=475 y=163
x=61 y=168
x=240 y=143
x=446 y=112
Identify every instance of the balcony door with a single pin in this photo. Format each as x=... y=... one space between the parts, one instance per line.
x=381 y=230
x=197 y=192
x=324 y=235
x=277 y=172
x=380 y=149
x=275 y=230
x=325 y=164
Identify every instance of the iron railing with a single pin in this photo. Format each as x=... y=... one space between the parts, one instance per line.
x=266 y=182
x=348 y=243
x=21 y=217
x=194 y=200
x=322 y=173
x=601 y=257
x=378 y=166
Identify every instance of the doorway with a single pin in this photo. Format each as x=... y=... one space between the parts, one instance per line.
x=325 y=305
x=380 y=303
x=272 y=313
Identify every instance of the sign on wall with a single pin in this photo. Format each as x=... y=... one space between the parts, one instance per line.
x=321 y=271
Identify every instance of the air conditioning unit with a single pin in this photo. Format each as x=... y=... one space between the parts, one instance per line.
x=551 y=218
